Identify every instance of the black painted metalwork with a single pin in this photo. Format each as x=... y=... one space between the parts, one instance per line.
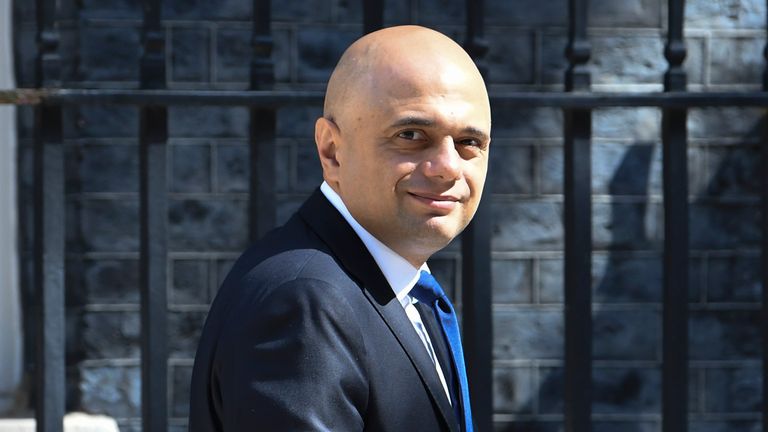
x=475 y=43
x=477 y=318
x=578 y=229
x=49 y=231
x=477 y=315
x=262 y=126
x=675 y=178
x=373 y=15
x=153 y=254
x=281 y=98
x=579 y=49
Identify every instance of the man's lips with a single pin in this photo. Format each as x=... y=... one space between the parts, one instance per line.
x=436 y=201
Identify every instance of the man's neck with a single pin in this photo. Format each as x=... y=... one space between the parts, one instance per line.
x=399 y=272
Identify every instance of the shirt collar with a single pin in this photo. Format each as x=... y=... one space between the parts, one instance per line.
x=400 y=274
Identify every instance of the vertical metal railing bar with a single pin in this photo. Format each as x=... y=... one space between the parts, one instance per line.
x=373 y=15
x=475 y=43
x=477 y=317
x=675 y=179
x=49 y=231
x=153 y=136
x=262 y=201
x=579 y=49
x=764 y=247
x=578 y=229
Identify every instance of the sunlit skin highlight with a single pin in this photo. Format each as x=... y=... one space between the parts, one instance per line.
x=404 y=138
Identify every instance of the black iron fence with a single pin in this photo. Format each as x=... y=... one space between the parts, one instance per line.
x=577 y=102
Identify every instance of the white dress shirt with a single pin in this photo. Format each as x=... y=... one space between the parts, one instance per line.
x=401 y=275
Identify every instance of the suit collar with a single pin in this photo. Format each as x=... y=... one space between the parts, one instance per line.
x=349 y=250
x=400 y=274
x=353 y=256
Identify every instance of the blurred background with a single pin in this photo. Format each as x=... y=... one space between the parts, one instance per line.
x=208 y=46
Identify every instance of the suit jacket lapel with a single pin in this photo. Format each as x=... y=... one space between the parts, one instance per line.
x=331 y=227
x=395 y=317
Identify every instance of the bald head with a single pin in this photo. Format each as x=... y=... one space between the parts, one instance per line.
x=404 y=138
x=396 y=59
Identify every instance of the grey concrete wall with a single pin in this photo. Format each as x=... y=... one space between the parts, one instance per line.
x=208 y=48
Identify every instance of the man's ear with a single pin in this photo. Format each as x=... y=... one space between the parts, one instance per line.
x=327 y=141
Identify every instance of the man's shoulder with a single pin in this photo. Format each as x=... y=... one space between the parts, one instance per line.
x=292 y=266
x=293 y=278
x=288 y=269
x=290 y=255
x=289 y=252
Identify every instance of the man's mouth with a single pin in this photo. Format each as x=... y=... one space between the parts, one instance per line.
x=440 y=202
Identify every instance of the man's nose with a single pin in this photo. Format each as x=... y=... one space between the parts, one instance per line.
x=443 y=160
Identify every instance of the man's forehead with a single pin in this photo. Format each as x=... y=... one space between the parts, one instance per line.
x=420 y=78
x=402 y=63
x=409 y=69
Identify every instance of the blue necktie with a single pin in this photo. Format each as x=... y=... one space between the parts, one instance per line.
x=429 y=292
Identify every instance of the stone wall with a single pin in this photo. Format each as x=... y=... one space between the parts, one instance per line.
x=207 y=46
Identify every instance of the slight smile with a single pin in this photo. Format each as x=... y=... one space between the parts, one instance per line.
x=443 y=203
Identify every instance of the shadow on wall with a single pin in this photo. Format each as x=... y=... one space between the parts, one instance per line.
x=724 y=292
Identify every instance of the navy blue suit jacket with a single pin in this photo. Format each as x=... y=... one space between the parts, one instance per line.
x=306 y=334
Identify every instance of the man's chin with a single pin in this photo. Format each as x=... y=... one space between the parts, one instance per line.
x=440 y=230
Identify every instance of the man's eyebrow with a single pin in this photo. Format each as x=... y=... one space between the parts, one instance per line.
x=470 y=130
x=413 y=121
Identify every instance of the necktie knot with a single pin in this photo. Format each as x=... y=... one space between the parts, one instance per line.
x=427 y=290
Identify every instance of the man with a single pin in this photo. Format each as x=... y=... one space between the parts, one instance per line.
x=318 y=326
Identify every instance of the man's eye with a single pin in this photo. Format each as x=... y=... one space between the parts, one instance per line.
x=471 y=142
x=411 y=135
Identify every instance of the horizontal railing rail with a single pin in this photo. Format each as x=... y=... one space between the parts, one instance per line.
x=278 y=98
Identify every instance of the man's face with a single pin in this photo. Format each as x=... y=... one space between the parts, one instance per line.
x=413 y=156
